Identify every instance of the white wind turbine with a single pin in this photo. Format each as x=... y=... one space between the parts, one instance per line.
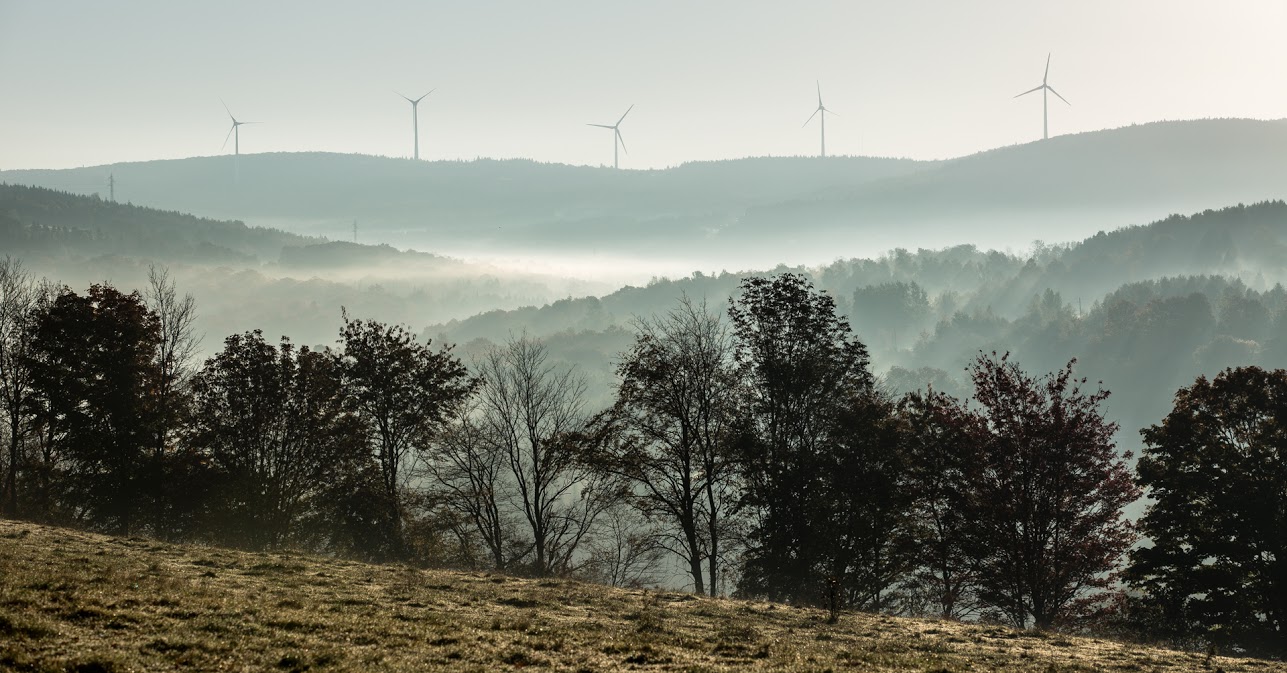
x=234 y=132
x=822 y=109
x=415 y=120
x=1045 y=110
x=616 y=135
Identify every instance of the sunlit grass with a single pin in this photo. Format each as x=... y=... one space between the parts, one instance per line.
x=72 y=601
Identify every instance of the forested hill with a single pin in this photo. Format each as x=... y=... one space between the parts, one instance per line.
x=1244 y=241
x=1145 y=309
x=43 y=222
x=733 y=214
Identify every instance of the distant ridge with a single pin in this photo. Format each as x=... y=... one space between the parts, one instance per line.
x=750 y=210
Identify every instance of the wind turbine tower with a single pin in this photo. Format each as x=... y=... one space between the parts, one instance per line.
x=415 y=121
x=111 y=187
x=1045 y=109
x=616 y=135
x=821 y=110
x=234 y=132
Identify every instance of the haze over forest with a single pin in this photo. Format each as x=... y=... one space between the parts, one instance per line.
x=1142 y=244
x=998 y=250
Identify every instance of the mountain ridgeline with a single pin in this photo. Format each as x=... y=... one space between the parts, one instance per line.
x=731 y=214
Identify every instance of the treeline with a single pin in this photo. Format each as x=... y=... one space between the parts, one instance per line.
x=754 y=446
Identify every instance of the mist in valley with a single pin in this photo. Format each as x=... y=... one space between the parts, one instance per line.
x=1133 y=239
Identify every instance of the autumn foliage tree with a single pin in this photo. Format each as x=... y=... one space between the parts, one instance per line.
x=1046 y=494
x=1216 y=470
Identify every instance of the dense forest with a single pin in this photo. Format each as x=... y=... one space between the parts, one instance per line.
x=752 y=443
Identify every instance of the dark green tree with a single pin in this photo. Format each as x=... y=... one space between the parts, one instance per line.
x=94 y=370
x=866 y=543
x=1216 y=470
x=403 y=393
x=272 y=422
x=943 y=446
x=802 y=366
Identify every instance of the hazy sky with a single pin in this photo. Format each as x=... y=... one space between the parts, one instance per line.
x=91 y=82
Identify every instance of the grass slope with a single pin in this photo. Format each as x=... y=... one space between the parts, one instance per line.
x=73 y=601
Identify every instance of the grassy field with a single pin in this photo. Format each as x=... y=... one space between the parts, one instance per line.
x=73 y=601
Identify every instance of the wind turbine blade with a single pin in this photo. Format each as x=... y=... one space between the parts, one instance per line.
x=1031 y=90
x=417 y=101
x=623 y=117
x=225 y=109
x=225 y=138
x=602 y=126
x=815 y=114
x=623 y=141
x=1047 y=73
x=1052 y=90
x=402 y=96
x=819 y=83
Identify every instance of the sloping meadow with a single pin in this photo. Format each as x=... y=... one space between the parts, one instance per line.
x=74 y=601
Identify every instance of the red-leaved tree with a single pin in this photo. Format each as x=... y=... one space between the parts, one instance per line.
x=1046 y=494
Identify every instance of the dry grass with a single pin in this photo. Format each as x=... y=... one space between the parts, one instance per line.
x=72 y=601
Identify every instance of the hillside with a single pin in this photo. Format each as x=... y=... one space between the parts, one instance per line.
x=247 y=277
x=77 y=601
x=732 y=214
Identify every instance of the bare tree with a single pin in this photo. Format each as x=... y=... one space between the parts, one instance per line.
x=533 y=412
x=626 y=551
x=19 y=298
x=176 y=356
x=676 y=415
x=471 y=474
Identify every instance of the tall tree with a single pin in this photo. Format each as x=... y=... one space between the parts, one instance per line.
x=802 y=365
x=94 y=367
x=403 y=392
x=272 y=422
x=1049 y=489
x=175 y=357
x=1216 y=471
x=677 y=414
x=534 y=412
x=19 y=295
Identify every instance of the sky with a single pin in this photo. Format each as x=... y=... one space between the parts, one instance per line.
x=85 y=82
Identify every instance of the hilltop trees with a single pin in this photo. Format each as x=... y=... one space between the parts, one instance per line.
x=1216 y=469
